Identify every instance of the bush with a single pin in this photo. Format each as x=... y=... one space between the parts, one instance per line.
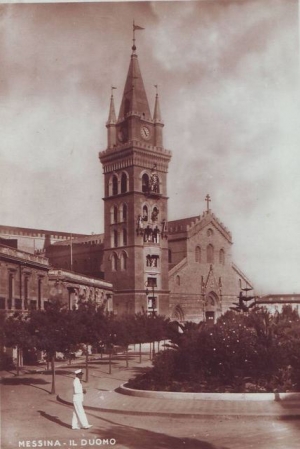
x=240 y=353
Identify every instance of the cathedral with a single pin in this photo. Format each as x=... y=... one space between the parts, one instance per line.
x=182 y=269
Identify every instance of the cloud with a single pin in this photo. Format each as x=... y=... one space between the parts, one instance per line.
x=228 y=82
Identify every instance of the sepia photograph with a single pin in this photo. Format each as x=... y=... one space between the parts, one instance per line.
x=149 y=224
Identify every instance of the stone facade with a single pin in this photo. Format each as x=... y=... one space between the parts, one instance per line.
x=78 y=254
x=135 y=166
x=23 y=280
x=72 y=288
x=27 y=281
x=203 y=280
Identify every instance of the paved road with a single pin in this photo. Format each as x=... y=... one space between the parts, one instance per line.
x=30 y=414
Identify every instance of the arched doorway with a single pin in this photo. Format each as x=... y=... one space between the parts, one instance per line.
x=211 y=307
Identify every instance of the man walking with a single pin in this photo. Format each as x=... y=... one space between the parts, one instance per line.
x=79 y=417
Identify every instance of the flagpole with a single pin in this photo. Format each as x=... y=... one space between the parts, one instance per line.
x=71 y=248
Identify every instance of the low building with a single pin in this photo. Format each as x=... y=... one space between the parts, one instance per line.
x=31 y=240
x=23 y=280
x=27 y=281
x=73 y=288
x=275 y=302
x=82 y=254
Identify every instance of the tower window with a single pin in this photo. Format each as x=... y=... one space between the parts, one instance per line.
x=124 y=237
x=124 y=187
x=145 y=213
x=177 y=280
x=114 y=262
x=115 y=238
x=198 y=254
x=145 y=183
x=154 y=215
x=124 y=261
x=115 y=214
x=152 y=260
x=124 y=212
x=151 y=282
x=169 y=256
x=115 y=185
x=210 y=254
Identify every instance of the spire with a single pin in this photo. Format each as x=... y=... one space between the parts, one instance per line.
x=158 y=123
x=157 y=114
x=111 y=122
x=134 y=99
x=112 y=114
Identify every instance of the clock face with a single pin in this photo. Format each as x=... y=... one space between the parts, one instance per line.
x=145 y=132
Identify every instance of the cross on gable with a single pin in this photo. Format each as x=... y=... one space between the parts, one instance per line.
x=208 y=200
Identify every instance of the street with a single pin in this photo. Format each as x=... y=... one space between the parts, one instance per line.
x=31 y=417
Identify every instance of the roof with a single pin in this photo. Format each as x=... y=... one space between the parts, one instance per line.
x=194 y=224
x=134 y=96
x=13 y=254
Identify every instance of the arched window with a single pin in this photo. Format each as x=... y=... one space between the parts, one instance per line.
x=152 y=260
x=124 y=261
x=115 y=214
x=209 y=232
x=114 y=262
x=124 y=186
x=145 y=183
x=124 y=212
x=177 y=280
x=145 y=213
x=115 y=185
x=222 y=257
x=115 y=238
x=210 y=254
x=198 y=254
x=169 y=256
x=124 y=237
x=154 y=215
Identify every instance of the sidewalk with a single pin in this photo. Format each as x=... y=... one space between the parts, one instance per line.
x=102 y=396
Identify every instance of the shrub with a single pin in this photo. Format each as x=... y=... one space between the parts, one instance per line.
x=258 y=352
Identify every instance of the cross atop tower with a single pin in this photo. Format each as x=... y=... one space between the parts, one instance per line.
x=208 y=200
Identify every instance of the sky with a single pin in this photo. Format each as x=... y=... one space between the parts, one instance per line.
x=227 y=75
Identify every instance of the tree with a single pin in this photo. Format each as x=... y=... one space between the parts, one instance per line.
x=53 y=330
x=17 y=335
x=91 y=326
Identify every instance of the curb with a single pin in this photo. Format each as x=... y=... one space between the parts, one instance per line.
x=197 y=415
x=246 y=397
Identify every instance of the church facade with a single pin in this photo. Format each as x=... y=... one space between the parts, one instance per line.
x=203 y=280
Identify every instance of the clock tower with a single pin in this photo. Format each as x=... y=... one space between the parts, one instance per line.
x=135 y=166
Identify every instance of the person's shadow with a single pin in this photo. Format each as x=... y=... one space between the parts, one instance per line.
x=53 y=419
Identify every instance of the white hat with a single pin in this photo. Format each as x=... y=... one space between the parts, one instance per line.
x=78 y=371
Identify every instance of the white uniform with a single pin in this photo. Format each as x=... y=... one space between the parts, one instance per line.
x=79 y=417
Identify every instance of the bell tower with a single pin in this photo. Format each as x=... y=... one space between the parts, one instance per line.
x=135 y=166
